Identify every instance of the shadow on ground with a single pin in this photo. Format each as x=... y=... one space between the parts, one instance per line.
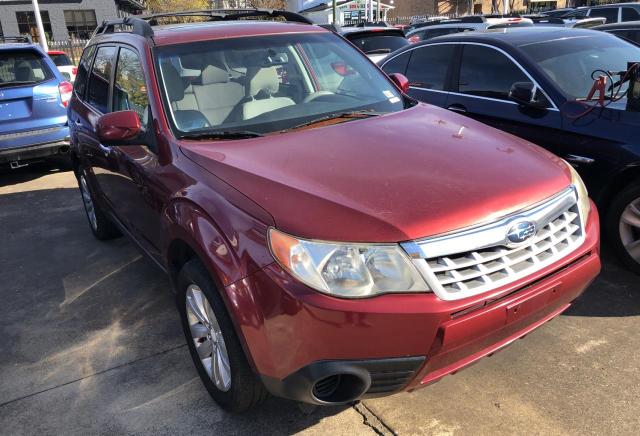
x=91 y=338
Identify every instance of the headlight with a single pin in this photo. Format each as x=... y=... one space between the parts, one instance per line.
x=583 y=196
x=347 y=270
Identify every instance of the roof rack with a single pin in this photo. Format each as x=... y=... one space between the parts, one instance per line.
x=142 y=24
x=25 y=39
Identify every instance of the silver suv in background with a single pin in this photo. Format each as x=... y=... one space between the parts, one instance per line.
x=431 y=29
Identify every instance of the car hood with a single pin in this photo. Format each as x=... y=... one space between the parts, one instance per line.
x=401 y=176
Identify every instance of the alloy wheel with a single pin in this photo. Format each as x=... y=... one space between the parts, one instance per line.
x=88 y=203
x=207 y=337
x=630 y=229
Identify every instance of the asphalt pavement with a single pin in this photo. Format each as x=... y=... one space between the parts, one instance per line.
x=91 y=344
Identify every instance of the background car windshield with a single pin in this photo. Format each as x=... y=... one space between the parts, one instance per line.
x=269 y=83
x=569 y=62
x=61 y=60
x=22 y=66
x=377 y=42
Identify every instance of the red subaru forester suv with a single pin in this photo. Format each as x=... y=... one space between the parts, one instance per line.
x=329 y=238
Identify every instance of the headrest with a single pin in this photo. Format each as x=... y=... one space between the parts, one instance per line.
x=265 y=79
x=23 y=72
x=173 y=82
x=213 y=74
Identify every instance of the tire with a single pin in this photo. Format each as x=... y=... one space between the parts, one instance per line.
x=101 y=226
x=241 y=389
x=623 y=226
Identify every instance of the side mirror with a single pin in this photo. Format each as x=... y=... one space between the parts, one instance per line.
x=526 y=94
x=118 y=127
x=401 y=81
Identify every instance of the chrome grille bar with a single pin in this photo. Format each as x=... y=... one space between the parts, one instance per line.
x=476 y=260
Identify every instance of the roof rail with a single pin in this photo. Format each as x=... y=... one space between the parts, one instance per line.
x=142 y=24
x=26 y=39
x=138 y=26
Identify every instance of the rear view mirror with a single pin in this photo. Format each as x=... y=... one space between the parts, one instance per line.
x=118 y=127
x=526 y=94
x=401 y=81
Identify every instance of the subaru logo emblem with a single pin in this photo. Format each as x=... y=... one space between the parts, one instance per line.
x=521 y=232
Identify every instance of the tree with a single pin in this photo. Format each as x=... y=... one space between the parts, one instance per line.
x=177 y=5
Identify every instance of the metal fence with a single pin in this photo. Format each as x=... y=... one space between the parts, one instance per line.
x=72 y=47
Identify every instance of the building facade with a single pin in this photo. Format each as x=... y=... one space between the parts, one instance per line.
x=63 y=19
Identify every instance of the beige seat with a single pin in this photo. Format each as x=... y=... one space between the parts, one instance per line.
x=263 y=81
x=216 y=97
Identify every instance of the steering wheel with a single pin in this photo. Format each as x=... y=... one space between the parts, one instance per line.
x=315 y=95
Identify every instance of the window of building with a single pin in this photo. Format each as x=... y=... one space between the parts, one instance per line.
x=27 y=24
x=80 y=23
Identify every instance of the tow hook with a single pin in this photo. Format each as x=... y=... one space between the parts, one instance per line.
x=16 y=164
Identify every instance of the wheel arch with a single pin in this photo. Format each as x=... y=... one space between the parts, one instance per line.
x=624 y=178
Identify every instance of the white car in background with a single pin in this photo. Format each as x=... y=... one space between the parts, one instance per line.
x=64 y=64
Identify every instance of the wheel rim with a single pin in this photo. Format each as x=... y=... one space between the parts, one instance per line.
x=630 y=229
x=208 y=339
x=88 y=203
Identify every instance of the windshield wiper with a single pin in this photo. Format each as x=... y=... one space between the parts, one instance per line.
x=378 y=51
x=347 y=115
x=19 y=83
x=221 y=134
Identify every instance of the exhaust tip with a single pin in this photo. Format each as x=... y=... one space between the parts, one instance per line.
x=339 y=388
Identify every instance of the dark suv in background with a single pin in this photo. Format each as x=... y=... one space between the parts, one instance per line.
x=526 y=82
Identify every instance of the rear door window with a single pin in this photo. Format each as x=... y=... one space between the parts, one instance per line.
x=487 y=72
x=80 y=84
x=429 y=65
x=99 y=79
x=22 y=67
x=611 y=14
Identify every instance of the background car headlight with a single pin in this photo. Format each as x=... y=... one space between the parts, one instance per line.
x=583 y=196
x=347 y=270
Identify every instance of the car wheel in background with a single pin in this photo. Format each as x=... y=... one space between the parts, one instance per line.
x=101 y=226
x=213 y=344
x=623 y=226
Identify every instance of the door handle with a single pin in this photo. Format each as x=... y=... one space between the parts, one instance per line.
x=457 y=108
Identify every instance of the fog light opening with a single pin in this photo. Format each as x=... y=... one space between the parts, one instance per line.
x=339 y=388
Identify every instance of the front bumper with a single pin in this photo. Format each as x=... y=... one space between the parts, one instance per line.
x=296 y=337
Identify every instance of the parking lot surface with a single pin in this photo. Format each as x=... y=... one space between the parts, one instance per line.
x=91 y=343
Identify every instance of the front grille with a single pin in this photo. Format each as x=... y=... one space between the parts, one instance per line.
x=489 y=262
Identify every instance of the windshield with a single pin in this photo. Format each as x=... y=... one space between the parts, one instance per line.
x=60 y=60
x=269 y=83
x=378 y=42
x=569 y=62
x=22 y=67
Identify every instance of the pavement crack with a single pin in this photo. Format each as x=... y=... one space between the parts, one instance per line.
x=372 y=421
x=33 y=394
